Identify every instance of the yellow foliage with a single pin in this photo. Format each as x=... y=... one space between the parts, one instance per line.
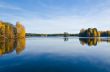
x=2 y=30
x=20 y=45
x=8 y=30
x=99 y=34
x=9 y=45
x=9 y=37
x=20 y=30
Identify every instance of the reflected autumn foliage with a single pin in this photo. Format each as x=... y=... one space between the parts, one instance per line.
x=20 y=45
x=9 y=45
x=92 y=41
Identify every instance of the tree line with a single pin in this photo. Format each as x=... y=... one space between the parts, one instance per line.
x=8 y=30
x=93 y=41
x=93 y=32
x=65 y=34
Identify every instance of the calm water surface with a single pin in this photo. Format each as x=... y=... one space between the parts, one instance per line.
x=55 y=55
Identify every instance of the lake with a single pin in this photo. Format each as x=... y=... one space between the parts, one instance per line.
x=55 y=54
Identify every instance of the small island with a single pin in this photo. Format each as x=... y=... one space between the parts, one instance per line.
x=93 y=32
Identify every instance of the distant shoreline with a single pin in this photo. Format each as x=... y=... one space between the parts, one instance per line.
x=59 y=35
x=48 y=35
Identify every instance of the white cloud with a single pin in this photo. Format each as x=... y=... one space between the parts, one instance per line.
x=70 y=23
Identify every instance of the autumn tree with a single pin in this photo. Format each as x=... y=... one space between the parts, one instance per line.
x=98 y=34
x=95 y=32
x=20 y=30
x=2 y=30
x=92 y=32
x=9 y=30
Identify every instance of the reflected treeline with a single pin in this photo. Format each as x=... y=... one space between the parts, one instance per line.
x=9 y=45
x=93 y=41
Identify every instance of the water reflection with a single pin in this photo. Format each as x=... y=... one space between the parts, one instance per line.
x=55 y=55
x=92 y=41
x=18 y=45
x=9 y=45
x=66 y=38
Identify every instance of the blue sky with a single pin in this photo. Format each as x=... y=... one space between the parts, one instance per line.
x=57 y=16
